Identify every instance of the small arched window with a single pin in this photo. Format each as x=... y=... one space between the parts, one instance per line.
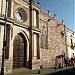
x=44 y=40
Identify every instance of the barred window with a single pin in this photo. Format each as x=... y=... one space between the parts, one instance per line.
x=72 y=47
x=44 y=40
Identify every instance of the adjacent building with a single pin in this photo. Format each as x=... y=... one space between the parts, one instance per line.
x=70 y=37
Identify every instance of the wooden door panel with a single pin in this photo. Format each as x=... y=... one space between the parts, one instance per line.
x=18 y=52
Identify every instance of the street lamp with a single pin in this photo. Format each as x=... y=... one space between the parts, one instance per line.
x=4 y=39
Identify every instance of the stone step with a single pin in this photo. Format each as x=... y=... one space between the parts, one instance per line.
x=37 y=72
x=23 y=71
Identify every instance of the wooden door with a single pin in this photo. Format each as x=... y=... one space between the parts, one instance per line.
x=19 y=57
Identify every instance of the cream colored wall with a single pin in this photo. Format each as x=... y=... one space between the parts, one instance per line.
x=70 y=51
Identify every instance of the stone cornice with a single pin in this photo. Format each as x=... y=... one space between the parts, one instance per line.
x=11 y=21
x=36 y=6
x=37 y=30
x=21 y=25
x=2 y=19
x=70 y=30
x=23 y=3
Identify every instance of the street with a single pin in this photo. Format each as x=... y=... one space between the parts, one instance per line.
x=64 y=72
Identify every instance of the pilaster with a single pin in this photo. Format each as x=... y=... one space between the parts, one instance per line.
x=12 y=7
x=3 y=7
x=0 y=6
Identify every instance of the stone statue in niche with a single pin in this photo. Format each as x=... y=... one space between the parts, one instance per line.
x=21 y=15
x=18 y=15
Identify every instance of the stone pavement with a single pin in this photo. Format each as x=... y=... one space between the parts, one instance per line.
x=37 y=72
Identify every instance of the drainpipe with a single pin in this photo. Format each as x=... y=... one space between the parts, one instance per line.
x=4 y=39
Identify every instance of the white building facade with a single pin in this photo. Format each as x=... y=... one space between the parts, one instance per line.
x=70 y=37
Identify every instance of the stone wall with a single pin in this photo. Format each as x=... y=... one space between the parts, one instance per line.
x=56 y=41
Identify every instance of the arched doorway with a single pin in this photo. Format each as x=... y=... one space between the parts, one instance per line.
x=19 y=52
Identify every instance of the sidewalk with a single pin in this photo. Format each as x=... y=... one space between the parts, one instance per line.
x=37 y=72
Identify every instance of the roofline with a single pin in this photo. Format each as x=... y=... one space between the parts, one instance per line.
x=70 y=30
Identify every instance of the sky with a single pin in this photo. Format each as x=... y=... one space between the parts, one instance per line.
x=64 y=10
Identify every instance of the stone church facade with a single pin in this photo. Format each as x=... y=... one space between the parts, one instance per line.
x=33 y=37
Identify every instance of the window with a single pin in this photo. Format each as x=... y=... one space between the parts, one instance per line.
x=44 y=40
x=72 y=47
